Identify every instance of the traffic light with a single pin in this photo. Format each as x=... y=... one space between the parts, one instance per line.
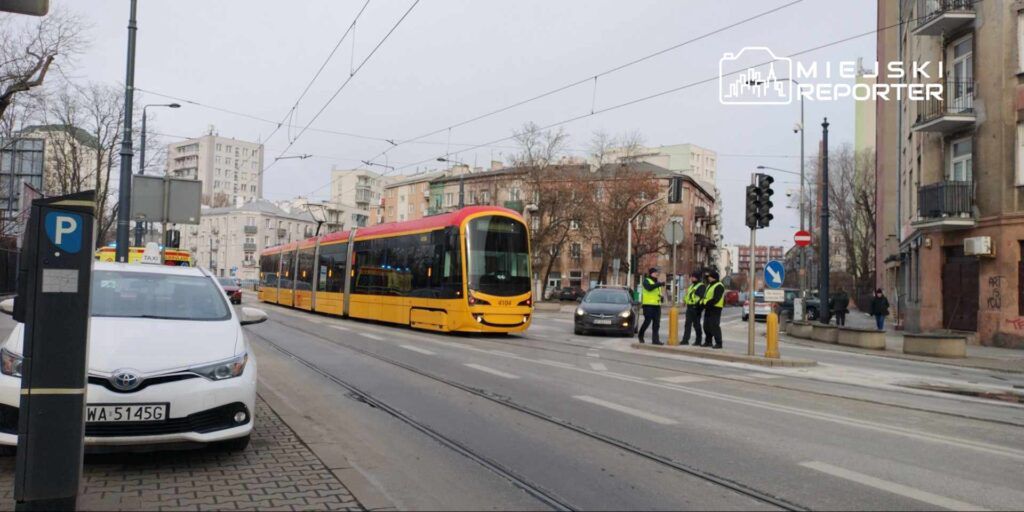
x=675 y=190
x=764 y=211
x=753 y=206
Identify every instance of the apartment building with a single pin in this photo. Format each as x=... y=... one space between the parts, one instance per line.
x=228 y=240
x=359 y=189
x=950 y=171
x=230 y=169
x=762 y=255
x=405 y=199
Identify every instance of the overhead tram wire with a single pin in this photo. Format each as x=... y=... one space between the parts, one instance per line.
x=343 y=84
x=291 y=111
x=662 y=93
x=593 y=78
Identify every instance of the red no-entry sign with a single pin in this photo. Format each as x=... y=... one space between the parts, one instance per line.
x=802 y=238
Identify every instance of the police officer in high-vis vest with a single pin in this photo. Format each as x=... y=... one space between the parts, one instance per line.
x=714 y=301
x=693 y=298
x=650 y=298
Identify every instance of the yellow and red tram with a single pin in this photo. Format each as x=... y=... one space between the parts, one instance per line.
x=467 y=270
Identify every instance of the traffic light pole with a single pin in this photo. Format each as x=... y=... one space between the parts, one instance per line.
x=823 y=310
x=751 y=316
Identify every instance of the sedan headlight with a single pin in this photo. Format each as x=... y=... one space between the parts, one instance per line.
x=224 y=369
x=626 y=313
x=580 y=312
x=10 y=363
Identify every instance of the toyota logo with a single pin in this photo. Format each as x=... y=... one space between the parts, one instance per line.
x=125 y=380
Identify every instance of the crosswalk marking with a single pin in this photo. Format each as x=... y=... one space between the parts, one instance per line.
x=682 y=379
x=371 y=336
x=417 y=349
x=661 y=420
x=885 y=485
x=599 y=367
x=492 y=371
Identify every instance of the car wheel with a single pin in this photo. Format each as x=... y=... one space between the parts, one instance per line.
x=577 y=330
x=235 y=445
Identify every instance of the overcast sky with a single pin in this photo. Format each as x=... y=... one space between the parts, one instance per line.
x=451 y=60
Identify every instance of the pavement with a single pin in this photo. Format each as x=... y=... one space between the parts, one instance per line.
x=404 y=419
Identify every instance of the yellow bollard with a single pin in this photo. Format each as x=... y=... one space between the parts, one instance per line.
x=673 y=325
x=771 y=349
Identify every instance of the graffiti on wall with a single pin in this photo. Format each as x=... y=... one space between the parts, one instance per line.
x=995 y=292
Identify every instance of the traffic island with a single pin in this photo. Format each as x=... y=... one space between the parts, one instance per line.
x=861 y=338
x=720 y=355
x=799 y=329
x=935 y=345
x=824 y=333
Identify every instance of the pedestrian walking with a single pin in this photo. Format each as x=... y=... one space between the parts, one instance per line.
x=713 y=302
x=650 y=298
x=841 y=306
x=693 y=298
x=879 y=308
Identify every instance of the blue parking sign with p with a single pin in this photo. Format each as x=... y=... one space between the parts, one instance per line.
x=64 y=229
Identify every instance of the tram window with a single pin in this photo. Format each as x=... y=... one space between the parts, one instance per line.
x=268 y=267
x=332 y=268
x=412 y=265
x=304 y=274
x=287 y=269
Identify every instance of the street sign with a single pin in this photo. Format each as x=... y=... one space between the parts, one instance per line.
x=774 y=274
x=673 y=233
x=772 y=295
x=802 y=238
x=160 y=199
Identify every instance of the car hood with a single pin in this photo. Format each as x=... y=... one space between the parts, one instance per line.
x=152 y=345
x=604 y=309
x=231 y=289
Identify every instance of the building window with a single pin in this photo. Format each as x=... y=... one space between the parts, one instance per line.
x=574 y=225
x=575 y=250
x=535 y=223
x=1020 y=153
x=218 y=147
x=595 y=250
x=1020 y=41
x=514 y=194
x=960 y=161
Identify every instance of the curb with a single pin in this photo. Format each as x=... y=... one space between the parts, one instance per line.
x=718 y=355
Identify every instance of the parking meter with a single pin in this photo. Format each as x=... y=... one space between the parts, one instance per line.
x=53 y=304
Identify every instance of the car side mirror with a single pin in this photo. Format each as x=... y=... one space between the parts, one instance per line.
x=248 y=316
x=7 y=307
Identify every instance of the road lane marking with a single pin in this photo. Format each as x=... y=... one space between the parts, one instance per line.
x=682 y=379
x=417 y=349
x=502 y=353
x=593 y=354
x=492 y=371
x=340 y=327
x=371 y=336
x=558 y=363
x=894 y=488
x=599 y=367
x=661 y=420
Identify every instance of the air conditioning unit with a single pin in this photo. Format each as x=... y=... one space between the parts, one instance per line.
x=978 y=246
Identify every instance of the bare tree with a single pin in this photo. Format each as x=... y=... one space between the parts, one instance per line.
x=30 y=48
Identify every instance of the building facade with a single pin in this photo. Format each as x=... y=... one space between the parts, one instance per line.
x=358 y=190
x=762 y=255
x=951 y=244
x=406 y=199
x=228 y=240
x=230 y=169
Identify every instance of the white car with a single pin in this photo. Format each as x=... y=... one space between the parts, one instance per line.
x=168 y=362
x=761 y=308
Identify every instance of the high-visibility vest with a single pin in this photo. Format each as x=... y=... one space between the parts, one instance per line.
x=710 y=294
x=692 y=299
x=650 y=297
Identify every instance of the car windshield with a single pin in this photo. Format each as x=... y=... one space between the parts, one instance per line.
x=156 y=295
x=607 y=297
x=499 y=259
x=227 y=281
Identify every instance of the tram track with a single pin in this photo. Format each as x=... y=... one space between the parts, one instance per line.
x=536 y=490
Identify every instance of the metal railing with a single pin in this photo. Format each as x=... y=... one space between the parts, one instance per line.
x=946 y=199
x=957 y=99
x=250 y=230
x=247 y=247
x=927 y=10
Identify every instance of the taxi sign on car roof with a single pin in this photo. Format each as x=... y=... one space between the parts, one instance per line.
x=152 y=254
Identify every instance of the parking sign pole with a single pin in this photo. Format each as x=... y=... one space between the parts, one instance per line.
x=53 y=305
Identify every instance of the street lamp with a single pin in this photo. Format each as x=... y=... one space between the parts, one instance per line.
x=300 y=157
x=139 y=229
x=375 y=164
x=798 y=128
x=462 y=181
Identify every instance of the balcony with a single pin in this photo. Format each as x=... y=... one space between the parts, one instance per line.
x=281 y=232
x=704 y=241
x=700 y=212
x=954 y=111
x=249 y=263
x=247 y=247
x=946 y=204
x=251 y=230
x=937 y=17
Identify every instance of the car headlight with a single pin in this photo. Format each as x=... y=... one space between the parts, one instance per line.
x=626 y=313
x=10 y=363
x=580 y=312
x=224 y=369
